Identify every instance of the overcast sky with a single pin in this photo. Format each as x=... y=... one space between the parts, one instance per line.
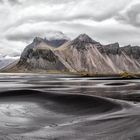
x=106 y=21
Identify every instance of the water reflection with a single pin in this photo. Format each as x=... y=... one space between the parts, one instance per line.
x=45 y=106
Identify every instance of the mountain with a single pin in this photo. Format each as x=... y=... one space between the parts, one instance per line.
x=87 y=55
x=38 y=56
x=8 y=56
x=7 y=60
x=55 y=38
x=83 y=54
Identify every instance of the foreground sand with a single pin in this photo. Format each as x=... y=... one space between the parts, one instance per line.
x=35 y=115
x=66 y=107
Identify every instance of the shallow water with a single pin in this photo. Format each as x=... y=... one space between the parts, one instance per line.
x=68 y=107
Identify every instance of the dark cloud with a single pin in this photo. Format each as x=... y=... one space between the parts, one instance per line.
x=25 y=37
x=13 y=2
x=131 y=15
x=19 y=37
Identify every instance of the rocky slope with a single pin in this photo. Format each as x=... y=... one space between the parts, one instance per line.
x=38 y=56
x=82 y=54
x=86 y=55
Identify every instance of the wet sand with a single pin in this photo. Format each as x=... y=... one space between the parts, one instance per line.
x=61 y=107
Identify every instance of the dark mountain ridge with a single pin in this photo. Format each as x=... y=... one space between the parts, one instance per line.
x=83 y=54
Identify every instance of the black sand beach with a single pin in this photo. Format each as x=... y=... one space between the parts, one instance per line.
x=40 y=107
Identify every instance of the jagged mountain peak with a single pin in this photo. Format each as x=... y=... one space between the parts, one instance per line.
x=39 y=43
x=84 y=38
x=52 y=42
x=128 y=46
x=83 y=41
x=38 y=40
x=114 y=45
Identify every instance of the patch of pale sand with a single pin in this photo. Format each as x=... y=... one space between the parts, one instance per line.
x=19 y=116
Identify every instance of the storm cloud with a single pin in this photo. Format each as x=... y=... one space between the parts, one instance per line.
x=130 y=15
x=105 y=20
